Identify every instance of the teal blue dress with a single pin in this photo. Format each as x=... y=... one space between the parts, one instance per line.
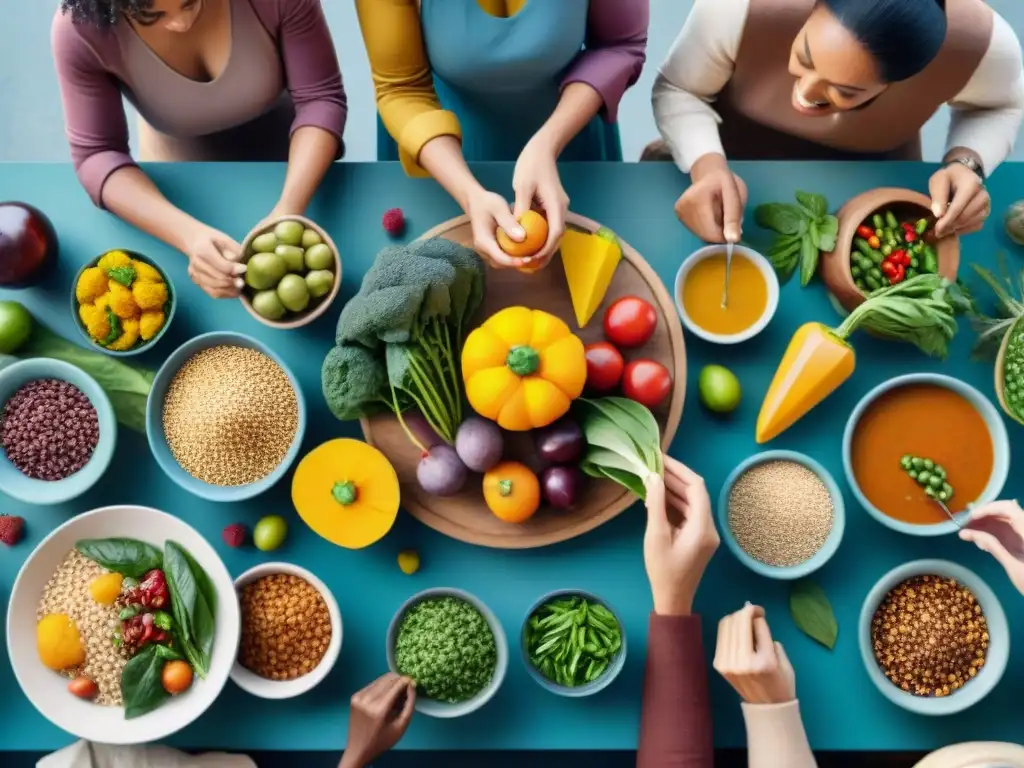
x=502 y=76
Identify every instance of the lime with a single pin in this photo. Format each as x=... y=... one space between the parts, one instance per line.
x=15 y=326
x=720 y=390
x=269 y=532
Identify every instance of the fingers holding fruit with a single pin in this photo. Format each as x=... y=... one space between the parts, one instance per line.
x=487 y=213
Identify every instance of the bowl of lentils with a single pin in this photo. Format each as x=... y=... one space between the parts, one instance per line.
x=933 y=637
x=57 y=431
x=225 y=417
x=781 y=514
x=452 y=646
x=291 y=631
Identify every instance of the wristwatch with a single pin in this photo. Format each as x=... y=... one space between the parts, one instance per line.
x=971 y=163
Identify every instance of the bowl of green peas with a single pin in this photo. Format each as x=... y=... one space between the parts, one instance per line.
x=886 y=236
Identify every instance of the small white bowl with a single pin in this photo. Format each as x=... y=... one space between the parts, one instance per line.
x=770 y=278
x=252 y=683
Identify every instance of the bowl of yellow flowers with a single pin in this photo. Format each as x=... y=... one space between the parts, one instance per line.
x=123 y=302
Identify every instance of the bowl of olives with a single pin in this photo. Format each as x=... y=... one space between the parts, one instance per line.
x=293 y=272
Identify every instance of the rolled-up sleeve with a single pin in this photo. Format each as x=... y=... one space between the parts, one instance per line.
x=94 y=118
x=614 y=51
x=311 y=68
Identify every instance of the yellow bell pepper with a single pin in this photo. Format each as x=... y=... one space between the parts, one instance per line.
x=522 y=368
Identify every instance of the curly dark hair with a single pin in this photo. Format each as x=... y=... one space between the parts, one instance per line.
x=103 y=13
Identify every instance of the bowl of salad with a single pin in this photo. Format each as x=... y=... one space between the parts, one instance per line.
x=123 y=625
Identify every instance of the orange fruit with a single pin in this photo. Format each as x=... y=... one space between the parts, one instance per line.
x=176 y=677
x=512 y=492
x=536 y=227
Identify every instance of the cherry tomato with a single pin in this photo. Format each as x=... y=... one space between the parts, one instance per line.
x=630 y=322
x=646 y=381
x=604 y=366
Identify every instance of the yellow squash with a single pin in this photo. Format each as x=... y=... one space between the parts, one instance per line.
x=590 y=261
x=523 y=368
x=347 y=492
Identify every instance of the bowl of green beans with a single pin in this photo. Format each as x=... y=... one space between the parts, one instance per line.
x=573 y=643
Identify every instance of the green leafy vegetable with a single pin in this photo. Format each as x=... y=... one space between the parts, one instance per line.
x=141 y=685
x=1009 y=296
x=571 y=640
x=623 y=441
x=123 y=275
x=813 y=613
x=129 y=557
x=804 y=229
x=192 y=614
x=167 y=654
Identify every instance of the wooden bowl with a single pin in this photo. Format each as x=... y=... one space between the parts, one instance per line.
x=465 y=516
x=317 y=306
x=999 y=378
x=905 y=204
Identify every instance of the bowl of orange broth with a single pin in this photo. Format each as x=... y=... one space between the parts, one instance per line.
x=753 y=294
x=931 y=417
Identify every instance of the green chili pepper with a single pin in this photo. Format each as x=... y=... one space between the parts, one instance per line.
x=921 y=226
x=890 y=221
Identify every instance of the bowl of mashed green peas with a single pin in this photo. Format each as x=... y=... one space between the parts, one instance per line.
x=452 y=646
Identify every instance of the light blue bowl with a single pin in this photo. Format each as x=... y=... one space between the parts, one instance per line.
x=996 y=429
x=613 y=669
x=819 y=558
x=442 y=709
x=155 y=426
x=24 y=488
x=169 y=308
x=998 y=631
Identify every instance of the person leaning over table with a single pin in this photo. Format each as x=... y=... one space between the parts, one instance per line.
x=837 y=80
x=522 y=80
x=212 y=80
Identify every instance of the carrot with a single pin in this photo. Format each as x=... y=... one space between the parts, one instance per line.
x=819 y=359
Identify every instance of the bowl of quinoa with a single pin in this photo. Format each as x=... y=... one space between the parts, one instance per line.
x=933 y=637
x=225 y=417
x=71 y=633
x=57 y=431
x=454 y=648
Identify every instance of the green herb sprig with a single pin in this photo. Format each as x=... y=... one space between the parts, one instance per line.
x=812 y=612
x=1008 y=292
x=805 y=229
x=571 y=640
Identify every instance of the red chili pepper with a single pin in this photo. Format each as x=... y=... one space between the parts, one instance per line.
x=874 y=242
x=900 y=257
x=888 y=267
x=865 y=231
x=901 y=272
x=910 y=236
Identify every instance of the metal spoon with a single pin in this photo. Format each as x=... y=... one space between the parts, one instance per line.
x=956 y=518
x=728 y=270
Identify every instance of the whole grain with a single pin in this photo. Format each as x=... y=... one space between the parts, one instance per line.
x=286 y=627
x=230 y=415
x=67 y=592
x=780 y=513
x=930 y=636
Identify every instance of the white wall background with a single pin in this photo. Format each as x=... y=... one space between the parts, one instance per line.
x=31 y=123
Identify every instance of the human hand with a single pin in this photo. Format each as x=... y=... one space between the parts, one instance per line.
x=998 y=528
x=756 y=667
x=487 y=211
x=712 y=207
x=680 y=538
x=536 y=180
x=213 y=262
x=960 y=202
x=379 y=717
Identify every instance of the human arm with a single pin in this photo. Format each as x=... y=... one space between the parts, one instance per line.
x=759 y=670
x=985 y=119
x=675 y=721
x=379 y=717
x=998 y=528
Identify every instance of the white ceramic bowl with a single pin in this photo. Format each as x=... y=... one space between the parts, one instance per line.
x=770 y=278
x=48 y=691
x=441 y=708
x=285 y=689
x=998 y=630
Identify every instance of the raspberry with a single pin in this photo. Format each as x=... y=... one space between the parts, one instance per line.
x=235 y=535
x=394 y=222
x=11 y=529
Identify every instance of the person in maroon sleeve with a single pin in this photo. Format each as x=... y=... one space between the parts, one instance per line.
x=675 y=725
x=212 y=80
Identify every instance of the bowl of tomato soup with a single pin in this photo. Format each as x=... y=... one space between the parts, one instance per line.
x=753 y=294
x=911 y=428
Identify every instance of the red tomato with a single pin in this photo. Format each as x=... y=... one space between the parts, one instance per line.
x=604 y=366
x=646 y=381
x=630 y=322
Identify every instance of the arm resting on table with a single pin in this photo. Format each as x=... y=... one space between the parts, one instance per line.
x=776 y=736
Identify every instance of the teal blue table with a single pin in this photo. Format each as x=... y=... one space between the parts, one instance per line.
x=841 y=708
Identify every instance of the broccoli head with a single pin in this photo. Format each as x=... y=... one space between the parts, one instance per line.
x=354 y=382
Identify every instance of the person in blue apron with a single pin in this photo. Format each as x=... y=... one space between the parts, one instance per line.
x=529 y=81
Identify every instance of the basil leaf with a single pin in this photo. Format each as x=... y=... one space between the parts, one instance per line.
x=808 y=260
x=141 y=686
x=812 y=612
x=815 y=205
x=123 y=275
x=784 y=218
x=828 y=231
x=812 y=230
x=191 y=611
x=128 y=557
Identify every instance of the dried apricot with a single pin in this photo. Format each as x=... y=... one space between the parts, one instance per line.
x=59 y=642
x=176 y=677
x=106 y=589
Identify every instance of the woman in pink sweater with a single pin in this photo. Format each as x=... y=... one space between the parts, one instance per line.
x=212 y=80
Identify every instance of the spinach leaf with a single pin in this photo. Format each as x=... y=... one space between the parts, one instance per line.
x=191 y=612
x=129 y=409
x=815 y=205
x=203 y=581
x=129 y=557
x=141 y=686
x=812 y=612
x=784 y=218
